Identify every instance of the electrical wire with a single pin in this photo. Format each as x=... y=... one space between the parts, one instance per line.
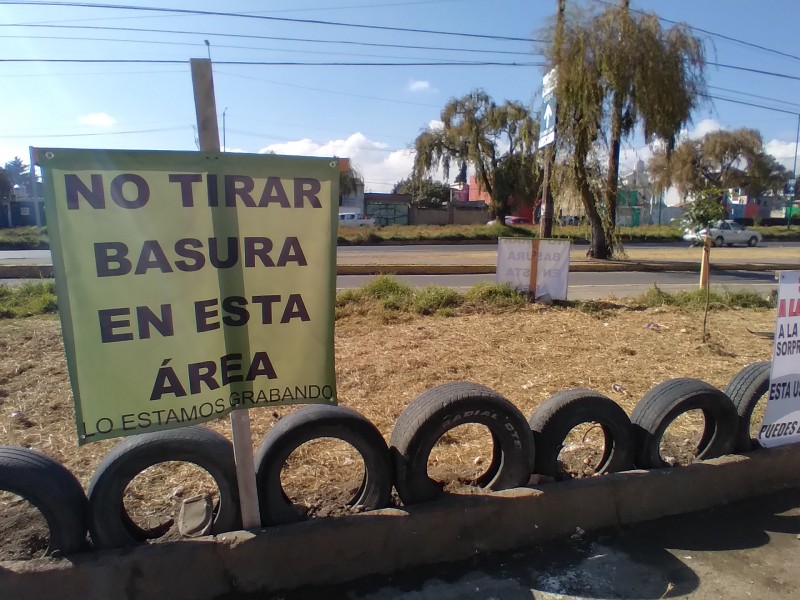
x=772 y=108
x=328 y=91
x=751 y=70
x=270 y=37
x=211 y=13
x=272 y=63
x=722 y=89
x=721 y=36
x=222 y=46
x=72 y=135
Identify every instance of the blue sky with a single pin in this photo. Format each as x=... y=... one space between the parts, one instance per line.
x=370 y=113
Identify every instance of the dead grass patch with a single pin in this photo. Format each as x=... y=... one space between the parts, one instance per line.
x=386 y=358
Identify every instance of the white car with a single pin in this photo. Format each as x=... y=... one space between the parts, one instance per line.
x=350 y=219
x=724 y=233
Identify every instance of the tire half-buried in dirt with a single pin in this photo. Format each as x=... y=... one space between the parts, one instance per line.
x=552 y=421
x=445 y=407
x=310 y=423
x=110 y=525
x=745 y=389
x=667 y=401
x=53 y=490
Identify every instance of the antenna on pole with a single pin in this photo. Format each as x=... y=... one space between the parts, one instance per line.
x=208 y=47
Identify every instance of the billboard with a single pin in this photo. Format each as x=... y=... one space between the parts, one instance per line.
x=191 y=284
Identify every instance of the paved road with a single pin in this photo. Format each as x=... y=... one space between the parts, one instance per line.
x=487 y=253
x=746 y=550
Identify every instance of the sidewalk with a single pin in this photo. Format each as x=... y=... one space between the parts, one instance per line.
x=744 y=550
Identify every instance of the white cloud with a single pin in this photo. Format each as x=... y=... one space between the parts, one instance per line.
x=436 y=125
x=784 y=152
x=380 y=166
x=702 y=128
x=419 y=85
x=100 y=119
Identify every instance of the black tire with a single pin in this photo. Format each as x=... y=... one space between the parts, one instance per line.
x=109 y=523
x=53 y=490
x=668 y=400
x=561 y=412
x=309 y=423
x=719 y=241
x=442 y=408
x=753 y=241
x=745 y=389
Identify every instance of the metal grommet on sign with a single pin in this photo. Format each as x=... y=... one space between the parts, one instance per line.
x=49 y=155
x=334 y=164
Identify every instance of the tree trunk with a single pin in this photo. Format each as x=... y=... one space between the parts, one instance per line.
x=612 y=180
x=598 y=246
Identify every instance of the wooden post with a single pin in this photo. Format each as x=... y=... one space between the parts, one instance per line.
x=704 y=265
x=546 y=220
x=208 y=132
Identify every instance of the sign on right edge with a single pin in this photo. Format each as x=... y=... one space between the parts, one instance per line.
x=782 y=417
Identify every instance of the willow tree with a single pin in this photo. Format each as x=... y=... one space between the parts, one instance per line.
x=350 y=180
x=719 y=160
x=498 y=141
x=618 y=71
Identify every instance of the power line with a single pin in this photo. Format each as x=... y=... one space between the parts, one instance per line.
x=722 y=89
x=781 y=110
x=71 y=135
x=750 y=70
x=711 y=33
x=211 y=13
x=272 y=63
x=287 y=10
x=328 y=91
x=269 y=37
x=194 y=44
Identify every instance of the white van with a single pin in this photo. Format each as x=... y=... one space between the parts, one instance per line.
x=349 y=219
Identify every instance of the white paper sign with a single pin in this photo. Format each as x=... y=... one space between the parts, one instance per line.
x=782 y=416
x=540 y=266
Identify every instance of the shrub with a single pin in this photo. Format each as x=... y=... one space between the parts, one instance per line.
x=436 y=299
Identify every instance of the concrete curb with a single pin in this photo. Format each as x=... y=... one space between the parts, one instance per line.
x=587 y=266
x=329 y=551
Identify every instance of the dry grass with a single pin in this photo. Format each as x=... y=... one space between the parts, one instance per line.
x=385 y=359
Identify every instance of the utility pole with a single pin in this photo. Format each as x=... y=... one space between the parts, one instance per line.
x=224 y=144
x=546 y=221
x=612 y=181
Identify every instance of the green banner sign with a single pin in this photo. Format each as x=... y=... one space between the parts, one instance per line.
x=191 y=284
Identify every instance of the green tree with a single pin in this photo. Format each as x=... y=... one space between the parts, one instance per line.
x=706 y=208
x=350 y=180
x=616 y=71
x=17 y=170
x=498 y=141
x=719 y=160
x=424 y=192
x=6 y=184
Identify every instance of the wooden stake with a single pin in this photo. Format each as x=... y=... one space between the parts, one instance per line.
x=208 y=133
x=704 y=265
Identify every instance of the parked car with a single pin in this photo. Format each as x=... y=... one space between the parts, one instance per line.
x=350 y=219
x=723 y=233
x=517 y=221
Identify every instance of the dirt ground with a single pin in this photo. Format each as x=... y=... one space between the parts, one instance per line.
x=383 y=363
